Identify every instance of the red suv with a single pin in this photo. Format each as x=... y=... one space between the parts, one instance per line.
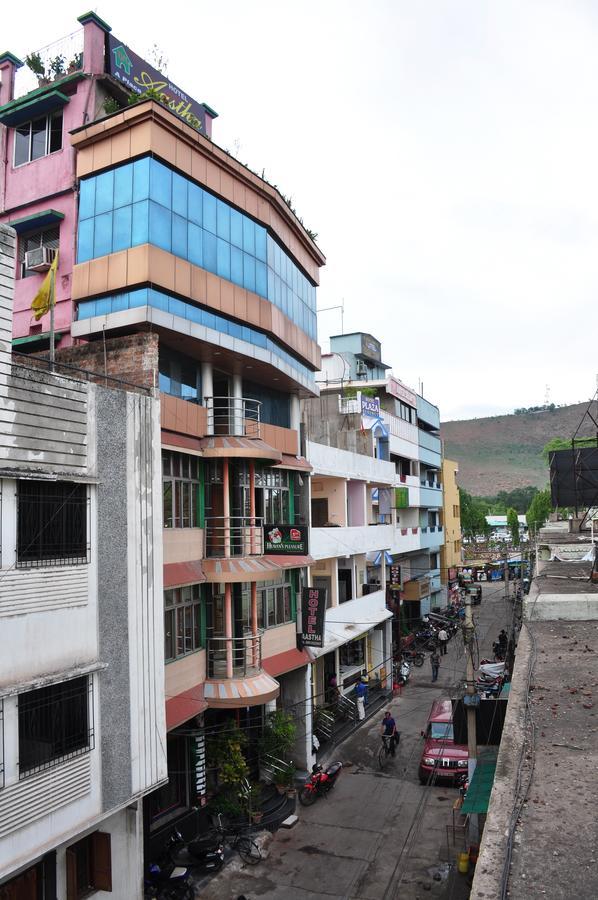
x=441 y=756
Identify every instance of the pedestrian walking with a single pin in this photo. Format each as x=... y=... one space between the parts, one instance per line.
x=435 y=663
x=361 y=693
x=443 y=640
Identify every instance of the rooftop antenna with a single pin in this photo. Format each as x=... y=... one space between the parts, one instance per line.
x=341 y=306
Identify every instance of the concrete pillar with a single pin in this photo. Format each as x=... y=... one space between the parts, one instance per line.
x=94 y=30
x=237 y=407
x=207 y=391
x=8 y=68
x=226 y=507
x=228 y=628
x=295 y=412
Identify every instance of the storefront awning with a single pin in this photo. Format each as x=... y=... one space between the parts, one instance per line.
x=234 y=692
x=219 y=446
x=285 y=662
x=299 y=463
x=350 y=625
x=253 y=568
x=177 y=574
x=477 y=799
x=184 y=706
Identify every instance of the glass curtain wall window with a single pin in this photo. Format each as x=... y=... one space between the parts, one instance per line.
x=182 y=621
x=38 y=138
x=180 y=376
x=181 y=487
x=146 y=202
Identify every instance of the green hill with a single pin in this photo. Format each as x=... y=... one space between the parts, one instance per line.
x=504 y=452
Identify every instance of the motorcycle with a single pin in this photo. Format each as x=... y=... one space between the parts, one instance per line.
x=402 y=672
x=413 y=656
x=168 y=882
x=204 y=853
x=319 y=783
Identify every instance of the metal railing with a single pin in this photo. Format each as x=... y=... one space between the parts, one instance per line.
x=233 y=416
x=234 y=657
x=68 y=48
x=234 y=536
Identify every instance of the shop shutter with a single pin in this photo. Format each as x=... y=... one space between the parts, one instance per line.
x=101 y=861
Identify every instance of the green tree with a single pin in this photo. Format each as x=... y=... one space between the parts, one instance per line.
x=473 y=514
x=513 y=525
x=539 y=510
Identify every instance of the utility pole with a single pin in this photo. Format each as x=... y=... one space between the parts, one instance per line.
x=506 y=573
x=471 y=705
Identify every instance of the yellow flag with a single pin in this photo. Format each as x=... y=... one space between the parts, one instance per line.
x=46 y=296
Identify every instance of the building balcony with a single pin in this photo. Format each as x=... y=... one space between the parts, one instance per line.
x=233 y=537
x=234 y=673
x=234 y=416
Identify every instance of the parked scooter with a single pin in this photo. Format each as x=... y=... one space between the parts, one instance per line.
x=204 y=853
x=168 y=882
x=319 y=783
x=402 y=672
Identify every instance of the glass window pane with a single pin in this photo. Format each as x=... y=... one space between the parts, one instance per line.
x=85 y=240
x=260 y=243
x=271 y=609
x=288 y=613
x=236 y=228
x=121 y=228
x=223 y=259
x=248 y=236
x=167 y=504
x=22 y=135
x=261 y=599
x=195 y=203
x=180 y=631
x=123 y=186
x=160 y=227
x=179 y=195
x=209 y=251
x=141 y=170
x=55 y=142
x=236 y=265
x=194 y=244
x=140 y=229
x=196 y=626
x=179 y=236
x=186 y=507
x=102 y=243
x=223 y=220
x=38 y=138
x=209 y=212
x=104 y=192
x=87 y=196
x=261 y=279
x=280 y=606
x=188 y=629
x=160 y=184
x=249 y=272
x=169 y=634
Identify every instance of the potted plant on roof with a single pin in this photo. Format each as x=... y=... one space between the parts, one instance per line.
x=57 y=66
x=35 y=63
x=76 y=63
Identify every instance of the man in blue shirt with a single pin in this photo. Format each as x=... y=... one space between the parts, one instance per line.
x=361 y=693
x=389 y=729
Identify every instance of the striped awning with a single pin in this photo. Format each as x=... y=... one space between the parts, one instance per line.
x=177 y=574
x=228 y=446
x=233 y=692
x=298 y=463
x=184 y=706
x=251 y=568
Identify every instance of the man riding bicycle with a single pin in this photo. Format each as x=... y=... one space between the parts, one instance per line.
x=389 y=732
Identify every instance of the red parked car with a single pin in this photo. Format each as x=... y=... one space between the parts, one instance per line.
x=441 y=757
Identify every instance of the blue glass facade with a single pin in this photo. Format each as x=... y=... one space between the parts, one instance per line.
x=159 y=300
x=146 y=202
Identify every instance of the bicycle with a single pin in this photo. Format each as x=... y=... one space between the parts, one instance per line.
x=247 y=849
x=386 y=749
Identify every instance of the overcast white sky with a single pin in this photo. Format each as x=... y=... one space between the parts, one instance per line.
x=444 y=150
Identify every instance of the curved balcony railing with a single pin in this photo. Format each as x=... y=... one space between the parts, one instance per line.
x=233 y=416
x=233 y=536
x=234 y=657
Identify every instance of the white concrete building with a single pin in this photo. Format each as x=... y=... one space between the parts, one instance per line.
x=376 y=506
x=82 y=723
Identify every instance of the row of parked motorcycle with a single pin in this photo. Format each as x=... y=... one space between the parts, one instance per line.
x=424 y=640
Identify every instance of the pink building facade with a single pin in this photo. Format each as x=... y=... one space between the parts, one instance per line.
x=38 y=185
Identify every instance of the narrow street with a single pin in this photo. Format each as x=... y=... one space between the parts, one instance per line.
x=378 y=835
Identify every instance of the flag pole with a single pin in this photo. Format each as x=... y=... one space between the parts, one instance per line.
x=52 y=300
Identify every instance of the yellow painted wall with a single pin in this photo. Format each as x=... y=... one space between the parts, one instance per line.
x=451 y=513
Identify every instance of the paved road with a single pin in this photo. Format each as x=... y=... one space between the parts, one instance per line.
x=379 y=835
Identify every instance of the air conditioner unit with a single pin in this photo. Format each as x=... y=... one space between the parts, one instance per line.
x=360 y=367
x=40 y=259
